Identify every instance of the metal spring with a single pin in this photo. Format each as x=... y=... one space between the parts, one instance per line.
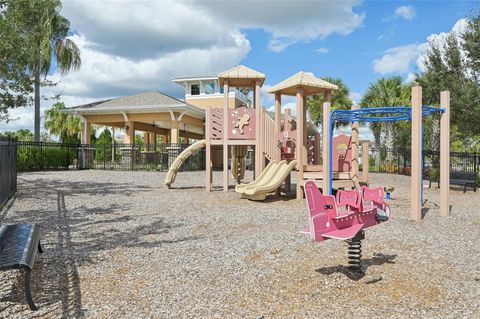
x=354 y=254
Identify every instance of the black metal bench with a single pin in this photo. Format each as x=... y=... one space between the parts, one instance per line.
x=18 y=249
x=465 y=179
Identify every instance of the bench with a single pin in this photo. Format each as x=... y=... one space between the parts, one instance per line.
x=465 y=179
x=18 y=248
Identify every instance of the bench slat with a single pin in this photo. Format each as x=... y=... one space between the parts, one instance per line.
x=18 y=245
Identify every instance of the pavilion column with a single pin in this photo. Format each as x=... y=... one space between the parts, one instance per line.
x=86 y=130
x=153 y=139
x=146 y=140
x=278 y=121
x=130 y=133
x=113 y=144
x=300 y=150
x=416 y=180
x=327 y=186
x=225 y=135
x=445 y=154
x=354 y=143
x=174 y=132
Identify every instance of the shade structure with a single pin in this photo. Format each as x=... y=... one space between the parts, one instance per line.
x=307 y=80
x=241 y=76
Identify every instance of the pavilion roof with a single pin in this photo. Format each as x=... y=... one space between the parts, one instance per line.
x=144 y=102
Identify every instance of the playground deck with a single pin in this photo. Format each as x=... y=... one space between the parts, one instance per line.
x=120 y=245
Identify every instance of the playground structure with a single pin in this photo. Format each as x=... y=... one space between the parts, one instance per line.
x=345 y=167
x=286 y=146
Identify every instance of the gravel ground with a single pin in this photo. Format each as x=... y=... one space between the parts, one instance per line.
x=119 y=245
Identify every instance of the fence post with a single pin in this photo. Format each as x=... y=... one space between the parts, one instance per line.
x=104 y=156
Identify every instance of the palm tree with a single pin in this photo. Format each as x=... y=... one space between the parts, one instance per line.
x=65 y=126
x=46 y=37
x=385 y=92
x=340 y=101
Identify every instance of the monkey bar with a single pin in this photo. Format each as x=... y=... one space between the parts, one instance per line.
x=415 y=113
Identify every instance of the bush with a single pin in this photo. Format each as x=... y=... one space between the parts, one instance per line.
x=37 y=158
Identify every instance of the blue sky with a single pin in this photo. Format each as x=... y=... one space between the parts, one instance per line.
x=350 y=57
x=131 y=47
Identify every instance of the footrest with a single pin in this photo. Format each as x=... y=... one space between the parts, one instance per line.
x=345 y=233
x=306 y=230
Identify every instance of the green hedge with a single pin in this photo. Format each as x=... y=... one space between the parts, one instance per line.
x=35 y=158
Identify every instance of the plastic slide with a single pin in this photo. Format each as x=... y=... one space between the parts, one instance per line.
x=269 y=181
x=181 y=158
x=267 y=172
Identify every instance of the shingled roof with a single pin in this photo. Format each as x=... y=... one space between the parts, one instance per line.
x=149 y=101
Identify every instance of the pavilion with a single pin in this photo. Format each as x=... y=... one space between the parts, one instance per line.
x=153 y=113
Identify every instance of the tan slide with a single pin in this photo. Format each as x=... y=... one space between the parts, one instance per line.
x=181 y=158
x=269 y=181
x=267 y=172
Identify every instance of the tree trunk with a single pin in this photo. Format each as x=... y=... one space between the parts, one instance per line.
x=389 y=142
x=37 y=109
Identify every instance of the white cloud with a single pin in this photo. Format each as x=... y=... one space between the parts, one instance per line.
x=355 y=97
x=134 y=46
x=398 y=59
x=410 y=58
x=140 y=28
x=322 y=50
x=406 y=12
x=410 y=78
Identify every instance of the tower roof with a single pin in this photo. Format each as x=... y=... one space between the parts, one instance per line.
x=241 y=76
x=307 y=80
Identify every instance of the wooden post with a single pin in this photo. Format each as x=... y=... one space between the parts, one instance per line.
x=326 y=144
x=300 y=147
x=355 y=135
x=305 y=132
x=225 y=136
x=445 y=154
x=259 y=147
x=416 y=180
x=278 y=121
x=208 y=151
x=287 y=124
x=317 y=149
x=365 y=164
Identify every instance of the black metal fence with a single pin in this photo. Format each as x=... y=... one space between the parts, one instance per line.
x=152 y=157
x=398 y=161
x=42 y=156
x=8 y=168
x=46 y=156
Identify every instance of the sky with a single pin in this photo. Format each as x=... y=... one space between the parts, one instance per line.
x=130 y=47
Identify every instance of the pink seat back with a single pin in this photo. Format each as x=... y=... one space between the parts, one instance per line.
x=317 y=202
x=349 y=198
x=314 y=198
x=373 y=195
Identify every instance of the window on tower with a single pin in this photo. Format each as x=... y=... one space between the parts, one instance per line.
x=195 y=89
